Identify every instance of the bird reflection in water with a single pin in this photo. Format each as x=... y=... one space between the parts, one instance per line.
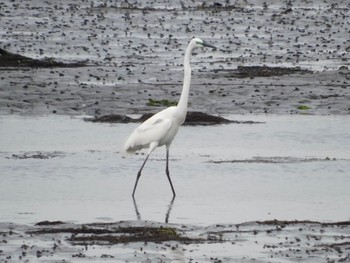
x=167 y=215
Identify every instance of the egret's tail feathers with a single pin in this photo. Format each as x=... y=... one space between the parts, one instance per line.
x=129 y=149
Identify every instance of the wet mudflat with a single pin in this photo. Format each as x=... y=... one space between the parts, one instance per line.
x=285 y=57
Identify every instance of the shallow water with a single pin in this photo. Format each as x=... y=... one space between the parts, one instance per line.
x=289 y=167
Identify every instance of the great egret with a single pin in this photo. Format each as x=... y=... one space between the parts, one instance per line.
x=161 y=128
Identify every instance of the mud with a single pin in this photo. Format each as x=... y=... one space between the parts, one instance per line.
x=36 y=155
x=275 y=58
x=192 y=119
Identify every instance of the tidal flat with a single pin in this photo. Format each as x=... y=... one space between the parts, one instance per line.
x=270 y=186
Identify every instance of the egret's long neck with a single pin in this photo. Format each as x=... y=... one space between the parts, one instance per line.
x=182 y=105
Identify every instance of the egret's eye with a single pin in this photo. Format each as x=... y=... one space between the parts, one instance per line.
x=199 y=42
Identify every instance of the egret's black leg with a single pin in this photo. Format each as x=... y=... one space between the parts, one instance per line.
x=167 y=171
x=169 y=210
x=138 y=215
x=138 y=175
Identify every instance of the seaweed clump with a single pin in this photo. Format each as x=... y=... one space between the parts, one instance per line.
x=104 y=234
x=8 y=59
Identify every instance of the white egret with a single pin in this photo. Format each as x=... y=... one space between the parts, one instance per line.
x=161 y=128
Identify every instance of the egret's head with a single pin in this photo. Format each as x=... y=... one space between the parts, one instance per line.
x=200 y=43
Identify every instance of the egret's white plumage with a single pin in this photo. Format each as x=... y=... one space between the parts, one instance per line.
x=161 y=128
x=158 y=130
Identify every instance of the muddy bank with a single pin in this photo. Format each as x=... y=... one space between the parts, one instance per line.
x=8 y=60
x=192 y=119
x=275 y=160
x=137 y=241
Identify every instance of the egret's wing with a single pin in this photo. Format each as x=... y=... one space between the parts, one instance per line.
x=152 y=130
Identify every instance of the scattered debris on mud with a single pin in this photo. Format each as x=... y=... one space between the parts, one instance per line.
x=137 y=240
x=36 y=155
x=273 y=57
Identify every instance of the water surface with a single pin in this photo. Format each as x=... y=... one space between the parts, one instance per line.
x=289 y=167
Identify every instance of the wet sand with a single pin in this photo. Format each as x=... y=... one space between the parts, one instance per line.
x=104 y=58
